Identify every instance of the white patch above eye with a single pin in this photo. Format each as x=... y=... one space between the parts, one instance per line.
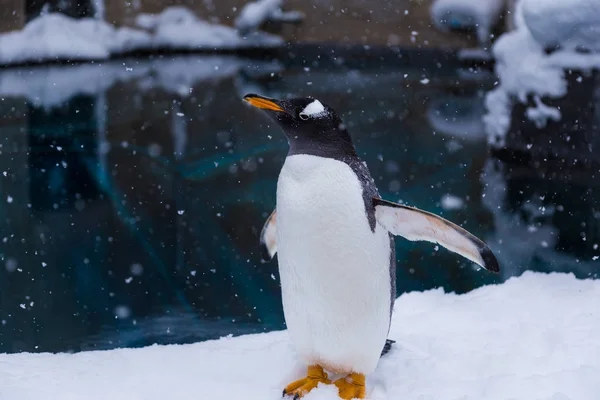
x=314 y=109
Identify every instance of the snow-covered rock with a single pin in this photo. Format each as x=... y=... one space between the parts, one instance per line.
x=570 y=24
x=177 y=27
x=525 y=69
x=256 y=13
x=54 y=36
x=533 y=337
x=169 y=16
x=480 y=15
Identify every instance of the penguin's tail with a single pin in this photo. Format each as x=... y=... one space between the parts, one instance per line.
x=387 y=346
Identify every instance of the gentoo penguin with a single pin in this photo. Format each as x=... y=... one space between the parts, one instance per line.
x=333 y=235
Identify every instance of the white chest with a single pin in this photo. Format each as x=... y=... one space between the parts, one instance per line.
x=334 y=270
x=321 y=196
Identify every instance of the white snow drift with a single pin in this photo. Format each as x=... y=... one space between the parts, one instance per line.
x=178 y=28
x=533 y=337
x=55 y=36
x=255 y=13
x=570 y=24
x=524 y=67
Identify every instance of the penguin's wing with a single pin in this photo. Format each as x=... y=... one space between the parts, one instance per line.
x=268 y=237
x=414 y=224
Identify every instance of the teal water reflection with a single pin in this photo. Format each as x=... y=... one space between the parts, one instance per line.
x=132 y=194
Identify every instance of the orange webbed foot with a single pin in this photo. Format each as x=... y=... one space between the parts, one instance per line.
x=315 y=375
x=351 y=386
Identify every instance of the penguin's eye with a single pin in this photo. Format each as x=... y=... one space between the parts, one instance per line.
x=303 y=116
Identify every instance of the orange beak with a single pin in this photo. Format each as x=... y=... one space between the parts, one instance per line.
x=263 y=102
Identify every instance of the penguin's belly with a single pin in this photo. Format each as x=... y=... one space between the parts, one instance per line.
x=335 y=275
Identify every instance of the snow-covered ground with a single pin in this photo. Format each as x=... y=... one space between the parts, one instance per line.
x=533 y=337
x=525 y=69
x=55 y=36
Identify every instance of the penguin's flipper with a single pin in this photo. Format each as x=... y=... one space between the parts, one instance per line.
x=268 y=237
x=414 y=224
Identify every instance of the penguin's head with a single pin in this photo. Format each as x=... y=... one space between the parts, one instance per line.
x=307 y=123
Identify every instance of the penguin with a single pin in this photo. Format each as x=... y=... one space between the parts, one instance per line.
x=334 y=240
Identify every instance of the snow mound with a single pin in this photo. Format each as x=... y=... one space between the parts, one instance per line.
x=526 y=70
x=255 y=13
x=480 y=15
x=56 y=36
x=177 y=27
x=573 y=24
x=533 y=337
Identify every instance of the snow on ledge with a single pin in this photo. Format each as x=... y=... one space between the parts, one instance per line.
x=177 y=27
x=255 y=13
x=525 y=69
x=533 y=337
x=570 y=24
x=56 y=36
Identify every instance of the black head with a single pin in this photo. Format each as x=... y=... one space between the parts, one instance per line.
x=310 y=126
